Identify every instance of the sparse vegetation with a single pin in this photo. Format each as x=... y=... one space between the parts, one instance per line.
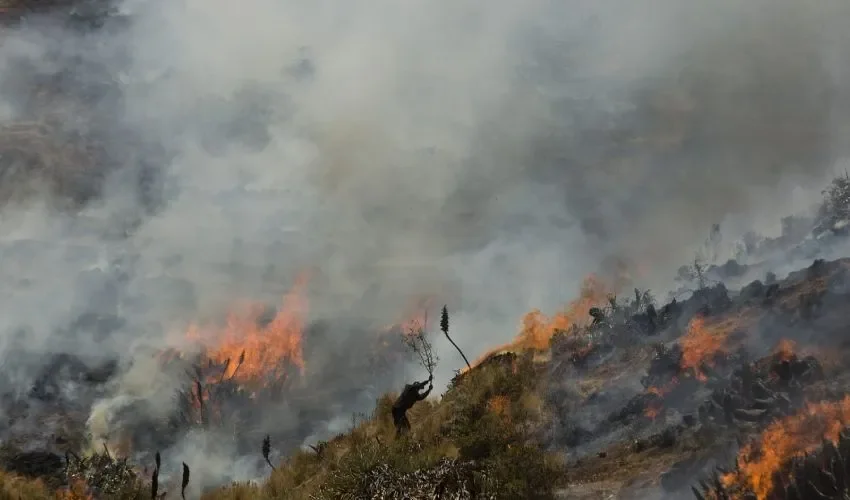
x=15 y=487
x=834 y=212
x=93 y=476
x=481 y=437
x=485 y=437
x=693 y=274
x=106 y=475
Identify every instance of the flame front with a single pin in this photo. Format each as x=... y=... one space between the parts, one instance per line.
x=538 y=329
x=785 y=439
x=252 y=352
x=699 y=345
x=704 y=340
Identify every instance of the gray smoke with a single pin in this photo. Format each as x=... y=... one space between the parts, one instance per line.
x=489 y=157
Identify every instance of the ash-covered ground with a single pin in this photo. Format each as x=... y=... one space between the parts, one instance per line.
x=654 y=417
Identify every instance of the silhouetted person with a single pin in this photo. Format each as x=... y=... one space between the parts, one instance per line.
x=652 y=316
x=597 y=315
x=409 y=396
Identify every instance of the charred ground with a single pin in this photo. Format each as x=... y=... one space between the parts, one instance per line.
x=721 y=369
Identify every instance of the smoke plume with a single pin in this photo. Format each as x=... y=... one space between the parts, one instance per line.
x=199 y=152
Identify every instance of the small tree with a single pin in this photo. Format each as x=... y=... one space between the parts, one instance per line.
x=416 y=340
x=643 y=300
x=693 y=273
x=835 y=209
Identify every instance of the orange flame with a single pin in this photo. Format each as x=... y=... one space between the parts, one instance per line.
x=415 y=319
x=785 y=439
x=664 y=389
x=700 y=344
x=500 y=405
x=77 y=489
x=704 y=340
x=785 y=350
x=538 y=329
x=266 y=348
x=653 y=409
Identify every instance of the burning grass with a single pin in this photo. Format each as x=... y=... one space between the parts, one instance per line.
x=706 y=339
x=245 y=359
x=254 y=354
x=763 y=465
x=538 y=329
x=484 y=437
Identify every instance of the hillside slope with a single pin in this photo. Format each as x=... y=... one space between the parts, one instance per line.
x=644 y=402
x=575 y=422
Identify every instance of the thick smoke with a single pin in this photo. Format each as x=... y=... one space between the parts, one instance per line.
x=488 y=157
x=418 y=149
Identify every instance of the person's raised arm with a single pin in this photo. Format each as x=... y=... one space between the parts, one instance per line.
x=425 y=394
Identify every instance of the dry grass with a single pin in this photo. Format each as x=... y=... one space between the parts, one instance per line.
x=93 y=476
x=13 y=487
x=483 y=432
x=489 y=417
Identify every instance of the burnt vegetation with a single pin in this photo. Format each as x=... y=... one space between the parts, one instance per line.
x=629 y=389
x=632 y=390
x=708 y=374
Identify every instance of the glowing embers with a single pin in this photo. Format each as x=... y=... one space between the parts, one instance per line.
x=785 y=350
x=753 y=393
x=655 y=397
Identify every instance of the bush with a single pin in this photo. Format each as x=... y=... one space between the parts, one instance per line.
x=477 y=442
x=524 y=471
x=834 y=212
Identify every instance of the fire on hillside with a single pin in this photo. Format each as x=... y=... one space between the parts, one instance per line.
x=244 y=359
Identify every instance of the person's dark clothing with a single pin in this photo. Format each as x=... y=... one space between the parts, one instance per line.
x=597 y=315
x=409 y=396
